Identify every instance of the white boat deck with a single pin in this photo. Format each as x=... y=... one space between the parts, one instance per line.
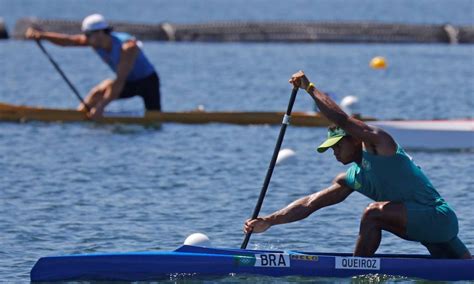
x=431 y=134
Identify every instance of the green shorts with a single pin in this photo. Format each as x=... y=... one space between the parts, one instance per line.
x=436 y=228
x=453 y=248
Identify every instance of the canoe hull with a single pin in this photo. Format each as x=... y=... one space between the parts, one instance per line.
x=190 y=261
x=17 y=113
x=428 y=134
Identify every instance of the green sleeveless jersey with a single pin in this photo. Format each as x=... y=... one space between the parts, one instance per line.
x=392 y=178
x=397 y=178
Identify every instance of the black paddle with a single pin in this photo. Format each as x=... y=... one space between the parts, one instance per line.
x=38 y=42
x=284 y=124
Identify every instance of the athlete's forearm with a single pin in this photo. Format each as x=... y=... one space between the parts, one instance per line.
x=295 y=211
x=62 y=39
x=335 y=114
x=328 y=107
x=307 y=205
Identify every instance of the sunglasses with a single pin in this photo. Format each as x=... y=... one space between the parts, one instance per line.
x=90 y=33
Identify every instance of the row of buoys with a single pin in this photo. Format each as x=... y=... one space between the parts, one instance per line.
x=308 y=31
x=377 y=62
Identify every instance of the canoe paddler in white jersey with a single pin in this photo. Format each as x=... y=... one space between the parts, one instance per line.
x=135 y=75
x=405 y=202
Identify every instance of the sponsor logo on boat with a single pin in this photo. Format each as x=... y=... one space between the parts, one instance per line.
x=272 y=260
x=358 y=263
x=304 y=257
x=241 y=260
x=263 y=260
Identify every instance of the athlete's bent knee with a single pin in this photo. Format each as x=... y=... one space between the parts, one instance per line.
x=372 y=214
x=374 y=210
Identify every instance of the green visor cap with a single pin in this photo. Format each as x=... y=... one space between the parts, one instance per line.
x=334 y=135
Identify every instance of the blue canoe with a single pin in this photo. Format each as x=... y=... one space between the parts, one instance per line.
x=199 y=261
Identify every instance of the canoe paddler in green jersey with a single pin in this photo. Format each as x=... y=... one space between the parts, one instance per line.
x=405 y=202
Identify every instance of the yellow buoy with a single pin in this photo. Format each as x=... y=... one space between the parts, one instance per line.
x=378 y=62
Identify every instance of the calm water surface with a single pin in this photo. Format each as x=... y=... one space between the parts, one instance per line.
x=76 y=188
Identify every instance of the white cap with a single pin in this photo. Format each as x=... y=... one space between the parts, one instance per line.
x=94 y=22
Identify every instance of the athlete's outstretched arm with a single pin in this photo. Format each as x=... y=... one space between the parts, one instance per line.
x=57 y=38
x=302 y=207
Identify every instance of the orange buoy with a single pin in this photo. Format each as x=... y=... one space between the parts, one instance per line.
x=378 y=62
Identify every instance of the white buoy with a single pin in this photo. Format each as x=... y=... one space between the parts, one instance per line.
x=198 y=239
x=349 y=104
x=285 y=154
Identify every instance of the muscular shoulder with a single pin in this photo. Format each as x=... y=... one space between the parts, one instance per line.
x=341 y=180
x=339 y=189
x=374 y=139
x=383 y=144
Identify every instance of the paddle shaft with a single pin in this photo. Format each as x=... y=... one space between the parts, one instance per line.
x=56 y=66
x=266 y=182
